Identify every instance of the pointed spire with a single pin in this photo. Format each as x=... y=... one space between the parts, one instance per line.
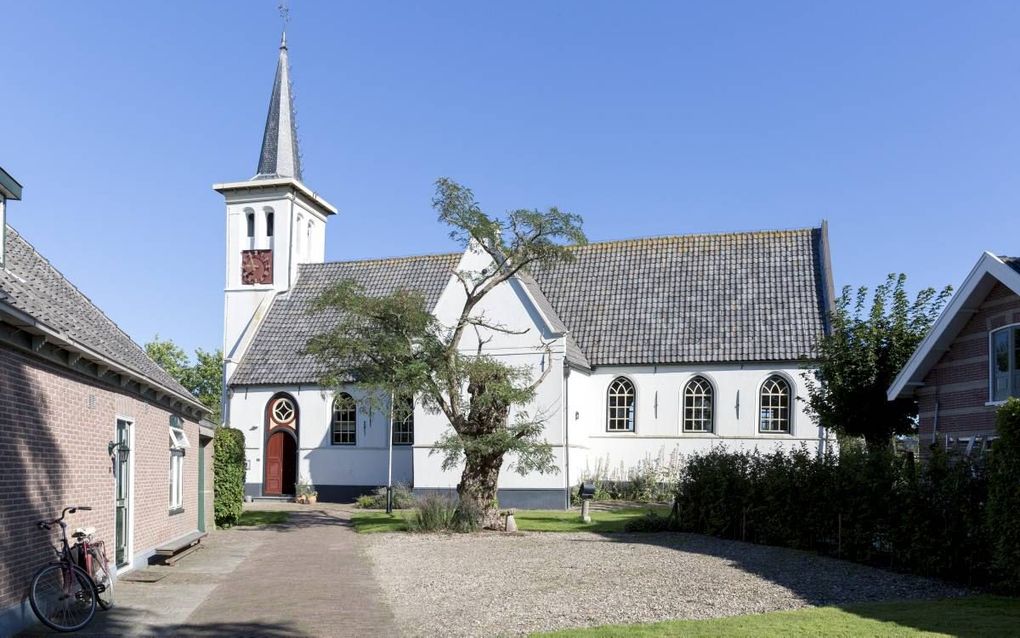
x=280 y=157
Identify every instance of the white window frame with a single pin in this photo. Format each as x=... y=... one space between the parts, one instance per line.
x=1012 y=380
x=403 y=428
x=333 y=422
x=711 y=406
x=789 y=405
x=178 y=443
x=631 y=419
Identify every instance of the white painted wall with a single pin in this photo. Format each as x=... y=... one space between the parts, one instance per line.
x=510 y=306
x=321 y=462
x=658 y=429
x=292 y=244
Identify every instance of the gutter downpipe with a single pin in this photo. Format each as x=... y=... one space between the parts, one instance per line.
x=566 y=428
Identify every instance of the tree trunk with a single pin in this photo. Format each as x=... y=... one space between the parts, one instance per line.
x=477 y=488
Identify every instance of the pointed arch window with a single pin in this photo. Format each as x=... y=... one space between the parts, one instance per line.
x=699 y=398
x=774 y=405
x=620 y=405
x=344 y=427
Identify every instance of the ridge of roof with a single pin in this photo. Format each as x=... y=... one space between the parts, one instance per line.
x=607 y=242
x=730 y=233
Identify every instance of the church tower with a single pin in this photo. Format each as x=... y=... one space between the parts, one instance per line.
x=274 y=223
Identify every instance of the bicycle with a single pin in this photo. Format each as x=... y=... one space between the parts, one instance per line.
x=91 y=556
x=63 y=595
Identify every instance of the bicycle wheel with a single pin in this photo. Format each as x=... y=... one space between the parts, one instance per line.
x=102 y=577
x=63 y=597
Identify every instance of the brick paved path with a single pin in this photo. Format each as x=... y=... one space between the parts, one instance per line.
x=308 y=577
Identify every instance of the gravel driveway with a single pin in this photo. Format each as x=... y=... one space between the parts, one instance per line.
x=495 y=584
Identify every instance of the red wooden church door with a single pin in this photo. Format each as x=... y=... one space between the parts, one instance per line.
x=280 y=464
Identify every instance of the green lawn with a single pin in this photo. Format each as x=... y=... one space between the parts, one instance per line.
x=967 y=617
x=527 y=520
x=252 y=518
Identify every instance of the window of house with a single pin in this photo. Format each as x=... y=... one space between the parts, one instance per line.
x=403 y=421
x=620 y=402
x=250 y=219
x=345 y=420
x=698 y=398
x=1005 y=371
x=774 y=411
x=178 y=443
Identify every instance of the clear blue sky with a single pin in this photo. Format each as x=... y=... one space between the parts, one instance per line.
x=898 y=122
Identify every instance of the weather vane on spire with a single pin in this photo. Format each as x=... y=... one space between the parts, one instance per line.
x=285 y=17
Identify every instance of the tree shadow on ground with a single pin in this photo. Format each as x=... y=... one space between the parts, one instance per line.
x=861 y=590
x=121 y=621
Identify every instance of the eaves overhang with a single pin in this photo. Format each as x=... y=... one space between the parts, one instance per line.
x=40 y=339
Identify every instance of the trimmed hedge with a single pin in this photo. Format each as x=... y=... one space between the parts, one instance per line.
x=228 y=465
x=1004 y=496
x=870 y=507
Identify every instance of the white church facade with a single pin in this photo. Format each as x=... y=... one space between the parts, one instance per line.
x=650 y=346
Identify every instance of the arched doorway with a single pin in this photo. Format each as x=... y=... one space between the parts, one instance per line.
x=281 y=464
x=280 y=467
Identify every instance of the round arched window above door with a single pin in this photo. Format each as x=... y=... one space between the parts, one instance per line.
x=282 y=411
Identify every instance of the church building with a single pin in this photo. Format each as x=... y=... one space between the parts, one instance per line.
x=657 y=346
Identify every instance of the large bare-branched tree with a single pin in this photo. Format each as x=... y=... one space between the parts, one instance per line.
x=393 y=346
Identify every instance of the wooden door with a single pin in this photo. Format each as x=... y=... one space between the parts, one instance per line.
x=274 y=464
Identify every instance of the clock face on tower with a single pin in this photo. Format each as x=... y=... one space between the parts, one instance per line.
x=256 y=267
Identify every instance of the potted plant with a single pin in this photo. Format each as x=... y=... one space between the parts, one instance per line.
x=305 y=492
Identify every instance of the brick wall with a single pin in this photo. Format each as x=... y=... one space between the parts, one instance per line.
x=55 y=427
x=958 y=383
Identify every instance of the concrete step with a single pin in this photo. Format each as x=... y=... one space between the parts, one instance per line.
x=272 y=499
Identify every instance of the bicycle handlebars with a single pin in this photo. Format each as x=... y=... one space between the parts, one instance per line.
x=47 y=525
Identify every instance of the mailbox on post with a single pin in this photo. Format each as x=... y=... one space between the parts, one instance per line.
x=586 y=493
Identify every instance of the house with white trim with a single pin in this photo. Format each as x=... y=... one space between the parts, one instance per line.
x=969 y=363
x=655 y=346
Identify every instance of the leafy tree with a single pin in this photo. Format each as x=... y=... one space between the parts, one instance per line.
x=1004 y=497
x=394 y=346
x=865 y=351
x=204 y=378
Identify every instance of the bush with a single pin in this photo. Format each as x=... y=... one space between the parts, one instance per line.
x=1004 y=497
x=402 y=498
x=228 y=481
x=435 y=513
x=867 y=506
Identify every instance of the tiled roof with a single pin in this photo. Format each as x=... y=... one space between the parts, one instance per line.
x=693 y=298
x=276 y=353
x=32 y=285
x=666 y=300
x=1012 y=262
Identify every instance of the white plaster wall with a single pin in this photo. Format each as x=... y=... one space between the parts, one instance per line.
x=363 y=464
x=658 y=427
x=245 y=305
x=510 y=306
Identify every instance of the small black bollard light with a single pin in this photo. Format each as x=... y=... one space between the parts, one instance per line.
x=586 y=493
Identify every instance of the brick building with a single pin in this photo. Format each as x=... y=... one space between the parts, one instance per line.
x=86 y=419
x=969 y=363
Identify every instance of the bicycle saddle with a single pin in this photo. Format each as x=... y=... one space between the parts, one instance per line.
x=84 y=531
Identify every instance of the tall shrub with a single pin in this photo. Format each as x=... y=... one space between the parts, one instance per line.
x=228 y=465
x=1004 y=496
